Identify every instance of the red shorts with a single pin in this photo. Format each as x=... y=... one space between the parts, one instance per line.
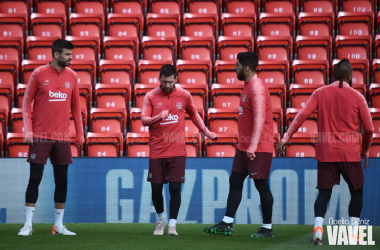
x=258 y=168
x=329 y=174
x=59 y=151
x=167 y=170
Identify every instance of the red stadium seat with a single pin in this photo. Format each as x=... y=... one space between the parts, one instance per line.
x=39 y=48
x=313 y=48
x=139 y=92
x=149 y=70
x=117 y=71
x=75 y=151
x=357 y=5
x=52 y=7
x=190 y=128
x=277 y=25
x=108 y=120
x=271 y=71
x=16 y=146
x=11 y=51
x=125 y=25
x=353 y=47
x=3 y=126
x=277 y=95
x=162 y=25
x=128 y=6
x=316 y=24
x=222 y=120
x=375 y=114
x=13 y=25
x=86 y=25
x=46 y=25
x=374 y=150
x=85 y=94
x=226 y=96
x=159 y=48
x=6 y=96
x=203 y=6
x=20 y=92
x=194 y=72
x=136 y=125
x=137 y=144
x=91 y=7
x=310 y=71
x=276 y=6
x=309 y=125
x=224 y=146
x=17 y=122
x=104 y=144
x=197 y=48
x=200 y=25
x=194 y=145
x=355 y=23
x=374 y=95
x=229 y=47
x=278 y=119
x=199 y=93
x=360 y=68
x=318 y=6
x=85 y=69
x=113 y=95
x=238 y=25
x=299 y=94
x=301 y=145
x=121 y=48
x=377 y=47
x=274 y=48
x=166 y=7
x=361 y=88
x=85 y=48
x=16 y=7
x=225 y=73
x=376 y=70
x=83 y=114
x=27 y=68
x=242 y=6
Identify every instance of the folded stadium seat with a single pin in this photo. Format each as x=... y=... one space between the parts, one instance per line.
x=361 y=88
x=20 y=92
x=374 y=150
x=229 y=47
x=39 y=48
x=316 y=24
x=113 y=95
x=149 y=71
x=162 y=25
x=273 y=71
x=166 y=7
x=222 y=120
x=190 y=128
x=16 y=123
x=28 y=66
x=85 y=48
x=360 y=70
x=8 y=78
x=376 y=70
x=83 y=115
x=13 y=25
x=194 y=145
x=52 y=7
x=117 y=71
x=353 y=47
x=274 y=48
x=194 y=72
x=91 y=7
x=16 y=7
x=310 y=71
x=277 y=6
x=355 y=23
x=309 y=125
x=135 y=121
x=15 y=145
x=85 y=69
x=128 y=6
x=204 y=6
x=277 y=24
x=86 y=25
x=75 y=151
x=139 y=93
x=374 y=95
x=224 y=146
x=200 y=25
x=3 y=124
x=277 y=95
x=225 y=72
x=225 y=96
x=238 y=25
x=276 y=141
x=299 y=94
x=137 y=145
x=125 y=25
x=197 y=48
x=277 y=120
x=199 y=93
x=11 y=51
x=241 y=6
x=375 y=114
x=377 y=47
x=85 y=94
x=313 y=48
x=6 y=99
x=108 y=120
x=46 y=25
x=318 y=6
x=301 y=145
x=121 y=48
x=159 y=48
x=357 y=5
x=104 y=144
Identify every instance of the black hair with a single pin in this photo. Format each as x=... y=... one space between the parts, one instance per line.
x=249 y=59
x=60 y=44
x=342 y=70
x=168 y=70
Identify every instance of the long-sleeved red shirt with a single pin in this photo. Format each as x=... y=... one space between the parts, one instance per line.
x=167 y=136
x=54 y=95
x=255 y=123
x=339 y=111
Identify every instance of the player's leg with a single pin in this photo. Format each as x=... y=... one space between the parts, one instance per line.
x=175 y=203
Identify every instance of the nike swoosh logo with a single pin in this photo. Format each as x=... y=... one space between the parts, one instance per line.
x=253 y=173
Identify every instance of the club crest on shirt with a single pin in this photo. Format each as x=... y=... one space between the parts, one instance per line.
x=32 y=156
x=244 y=98
x=158 y=105
x=67 y=84
x=179 y=105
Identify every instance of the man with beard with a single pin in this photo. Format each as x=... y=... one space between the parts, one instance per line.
x=340 y=108
x=55 y=92
x=253 y=155
x=164 y=112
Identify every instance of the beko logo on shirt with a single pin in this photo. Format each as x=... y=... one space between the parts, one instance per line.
x=170 y=119
x=58 y=95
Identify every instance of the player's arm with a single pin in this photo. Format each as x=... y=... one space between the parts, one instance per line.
x=366 y=121
x=75 y=109
x=146 y=113
x=30 y=92
x=196 y=118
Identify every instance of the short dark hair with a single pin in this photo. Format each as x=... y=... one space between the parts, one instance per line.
x=249 y=59
x=60 y=44
x=168 y=70
x=342 y=70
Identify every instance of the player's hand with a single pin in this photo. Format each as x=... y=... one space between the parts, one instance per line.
x=29 y=141
x=251 y=155
x=281 y=147
x=366 y=159
x=164 y=114
x=213 y=136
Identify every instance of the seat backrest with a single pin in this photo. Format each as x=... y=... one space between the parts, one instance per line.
x=316 y=24
x=159 y=48
x=140 y=92
x=276 y=6
x=46 y=25
x=128 y=7
x=121 y=25
x=274 y=48
x=52 y=7
x=117 y=71
x=222 y=120
x=197 y=48
x=224 y=146
x=318 y=6
x=136 y=125
x=200 y=25
x=113 y=95
x=204 y=7
x=237 y=25
x=276 y=24
x=109 y=120
x=166 y=7
x=299 y=94
x=137 y=144
x=148 y=71
x=225 y=73
x=225 y=96
x=241 y=6
x=16 y=146
x=104 y=144
x=162 y=25
x=357 y=5
x=310 y=71
x=301 y=145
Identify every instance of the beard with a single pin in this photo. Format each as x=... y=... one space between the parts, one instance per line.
x=240 y=76
x=350 y=83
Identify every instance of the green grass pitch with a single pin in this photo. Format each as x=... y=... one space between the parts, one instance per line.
x=140 y=236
